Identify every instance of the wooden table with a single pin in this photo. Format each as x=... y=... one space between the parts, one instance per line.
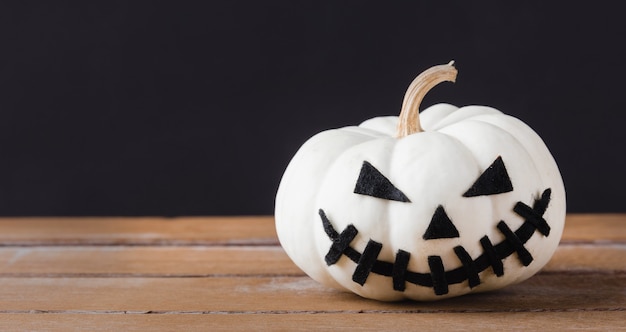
x=214 y=273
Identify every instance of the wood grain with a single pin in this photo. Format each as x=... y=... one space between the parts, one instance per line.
x=586 y=228
x=138 y=231
x=229 y=273
x=166 y=261
x=594 y=228
x=270 y=295
x=206 y=261
x=529 y=321
x=584 y=258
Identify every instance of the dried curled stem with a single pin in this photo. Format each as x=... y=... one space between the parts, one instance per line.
x=409 y=115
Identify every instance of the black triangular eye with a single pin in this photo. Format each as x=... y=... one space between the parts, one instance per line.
x=494 y=180
x=440 y=227
x=373 y=183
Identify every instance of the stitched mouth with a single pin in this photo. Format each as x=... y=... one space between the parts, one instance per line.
x=438 y=278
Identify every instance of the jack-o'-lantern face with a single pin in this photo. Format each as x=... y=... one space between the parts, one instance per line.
x=428 y=216
x=493 y=181
x=397 y=208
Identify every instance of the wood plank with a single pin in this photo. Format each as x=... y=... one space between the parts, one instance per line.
x=532 y=321
x=198 y=261
x=588 y=257
x=544 y=292
x=229 y=273
x=586 y=228
x=167 y=261
x=595 y=228
x=137 y=231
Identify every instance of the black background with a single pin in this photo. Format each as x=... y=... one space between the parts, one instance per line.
x=195 y=108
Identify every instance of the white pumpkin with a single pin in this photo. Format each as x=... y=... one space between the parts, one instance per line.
x=474 y=201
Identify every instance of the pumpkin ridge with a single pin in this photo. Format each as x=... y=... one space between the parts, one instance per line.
x=458 y=115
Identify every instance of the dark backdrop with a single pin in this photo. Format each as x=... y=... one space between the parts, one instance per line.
x=195 y=108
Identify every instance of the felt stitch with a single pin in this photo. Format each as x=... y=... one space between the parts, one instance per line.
x=492 y=256
x=341 y=242
x=398 y=274
x=438 y=275
x=366 y=262
x=438 y=278
x=469 y=265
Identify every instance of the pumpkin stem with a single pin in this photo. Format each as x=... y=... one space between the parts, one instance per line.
x=409 y=115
